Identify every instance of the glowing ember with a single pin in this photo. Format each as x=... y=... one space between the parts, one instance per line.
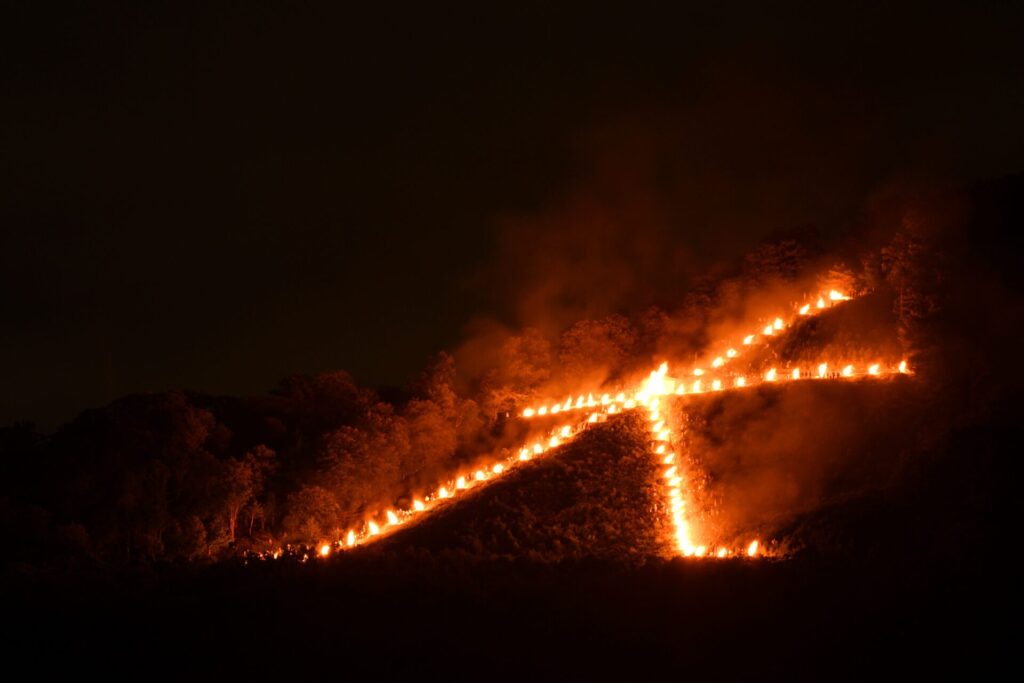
x=647 y=393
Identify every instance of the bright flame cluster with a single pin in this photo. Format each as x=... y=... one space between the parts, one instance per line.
x=656 y=384
x=649 y=394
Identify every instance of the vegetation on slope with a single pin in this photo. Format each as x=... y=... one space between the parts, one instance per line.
x=597 y=496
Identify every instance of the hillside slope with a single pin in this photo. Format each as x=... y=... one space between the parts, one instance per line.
x=758 y=459
x=596 y=496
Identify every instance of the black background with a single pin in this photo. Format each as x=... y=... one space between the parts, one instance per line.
x=215 y=195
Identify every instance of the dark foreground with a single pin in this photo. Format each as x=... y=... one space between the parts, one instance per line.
x=806 y=618
x=913 y=579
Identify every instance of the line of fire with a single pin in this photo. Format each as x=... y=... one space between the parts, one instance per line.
x=722 y=372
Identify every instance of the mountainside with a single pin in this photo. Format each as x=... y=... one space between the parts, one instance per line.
x=596 y=497
x=886 y=504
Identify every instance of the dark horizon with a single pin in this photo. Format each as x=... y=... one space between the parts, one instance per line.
x=203 y=199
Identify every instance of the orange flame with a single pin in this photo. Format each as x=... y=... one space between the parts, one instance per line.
x=646 y=394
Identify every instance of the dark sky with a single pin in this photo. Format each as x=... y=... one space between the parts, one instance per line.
x=214 y=196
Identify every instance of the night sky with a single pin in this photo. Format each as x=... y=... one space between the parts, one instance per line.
x=214 y=196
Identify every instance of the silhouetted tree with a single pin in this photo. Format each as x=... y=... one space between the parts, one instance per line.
x=915 y=268
x=592 y=348
x=243 y=480
x=313 y=513
x=362 y=465
x=524 y=365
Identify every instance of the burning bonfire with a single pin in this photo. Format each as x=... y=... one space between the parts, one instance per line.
x=651 y=394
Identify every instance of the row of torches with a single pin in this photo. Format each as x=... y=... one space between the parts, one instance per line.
x=613 y=404
x=648 y=395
